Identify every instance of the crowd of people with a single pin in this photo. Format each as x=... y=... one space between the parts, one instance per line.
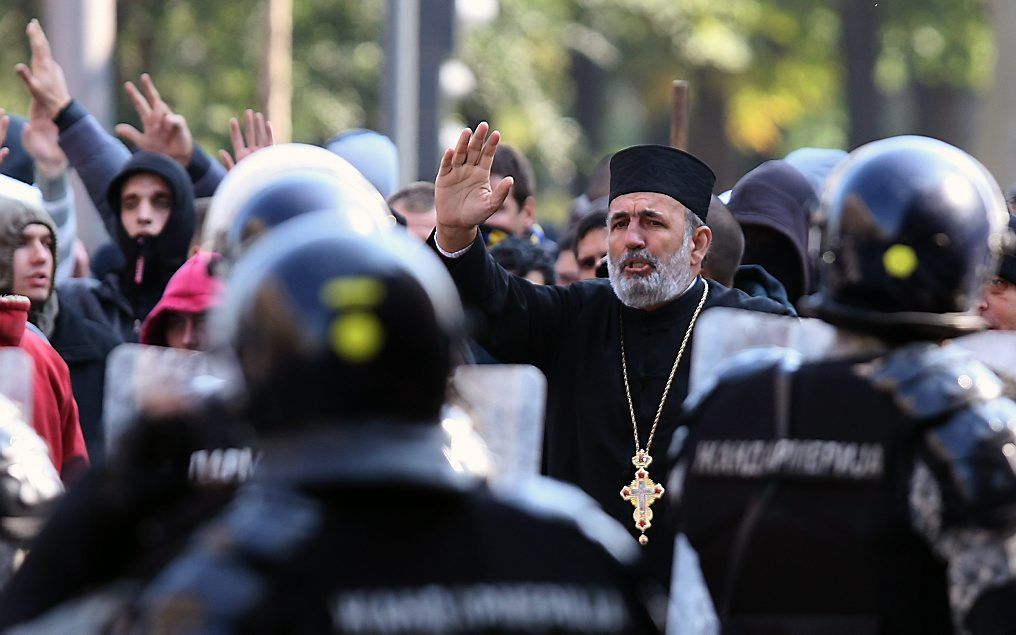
x=858 y=478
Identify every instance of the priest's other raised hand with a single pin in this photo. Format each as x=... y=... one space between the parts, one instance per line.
x=462 y=193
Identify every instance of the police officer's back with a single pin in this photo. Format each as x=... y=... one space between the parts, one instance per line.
x=355 y=521
x=873 y=491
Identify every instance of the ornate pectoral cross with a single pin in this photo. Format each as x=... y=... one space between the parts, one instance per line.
x=642 y=492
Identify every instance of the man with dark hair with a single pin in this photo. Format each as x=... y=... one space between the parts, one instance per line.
x=612 y=349
x=566 y=268
x=524 y=259
x=591 y=243
x=998 y=300
x=416 y=204
x=724 y=253
x=517 y=214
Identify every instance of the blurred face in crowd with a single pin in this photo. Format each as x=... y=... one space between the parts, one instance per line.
x=998 y=304
x=146 y=202
x=653 y=251
x=591 y=249
x=33 y=264
x=510 y=217
x=185 y=330
x=419 y=224
x=566 y=268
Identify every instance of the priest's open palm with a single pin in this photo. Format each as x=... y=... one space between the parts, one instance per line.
x=462 y=193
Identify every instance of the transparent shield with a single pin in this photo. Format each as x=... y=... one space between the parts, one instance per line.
x=505 y=404
x=16 y=374
x=155 y=380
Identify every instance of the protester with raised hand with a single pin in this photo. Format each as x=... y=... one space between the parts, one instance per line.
x=94 y=153
x=259 y=134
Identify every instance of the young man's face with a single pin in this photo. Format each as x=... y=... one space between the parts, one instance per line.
x=998 y=304
x=145 y=204
x=591 y=249
x=185 y=330
x=33 y=264
x=510 y=217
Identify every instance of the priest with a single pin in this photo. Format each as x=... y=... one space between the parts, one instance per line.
x=616 y=352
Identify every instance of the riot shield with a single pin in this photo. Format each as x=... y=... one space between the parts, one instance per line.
x=997 y=351
x=502 y=405
x=29 y=483
x=16 y=379
x=153 y=380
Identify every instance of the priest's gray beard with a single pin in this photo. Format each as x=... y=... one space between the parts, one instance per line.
x=668 y=279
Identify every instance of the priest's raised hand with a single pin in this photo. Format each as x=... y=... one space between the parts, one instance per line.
x=462 y=193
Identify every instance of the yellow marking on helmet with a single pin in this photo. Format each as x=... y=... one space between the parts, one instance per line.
x=357 y=337
x=354 y=291
x=899 y=261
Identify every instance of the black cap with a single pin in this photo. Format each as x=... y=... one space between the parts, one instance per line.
x=664 y=170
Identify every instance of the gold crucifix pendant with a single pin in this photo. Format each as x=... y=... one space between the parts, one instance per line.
x=642 y=492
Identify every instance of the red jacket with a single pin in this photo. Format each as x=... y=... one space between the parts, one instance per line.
x=54 y=412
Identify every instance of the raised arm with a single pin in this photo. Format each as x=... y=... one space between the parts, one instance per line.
x=463 y=197
x=259 y=134
x=40 y=138
x=94 y=153
x=167 y=132
x=522 y=322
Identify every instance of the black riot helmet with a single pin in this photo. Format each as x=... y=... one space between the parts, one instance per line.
x=284 y=181
x=912 y=228
x=327 y=325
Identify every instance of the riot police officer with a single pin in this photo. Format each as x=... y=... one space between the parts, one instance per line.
x=355 y=521
x=870 y=491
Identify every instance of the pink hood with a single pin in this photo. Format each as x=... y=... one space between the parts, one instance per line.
x=192 y=289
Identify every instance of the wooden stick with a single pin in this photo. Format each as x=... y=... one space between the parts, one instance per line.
x=679 y=115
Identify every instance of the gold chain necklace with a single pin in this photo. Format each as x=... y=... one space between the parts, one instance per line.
x=642 y=492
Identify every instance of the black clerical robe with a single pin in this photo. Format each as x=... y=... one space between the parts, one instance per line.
x=573 y=334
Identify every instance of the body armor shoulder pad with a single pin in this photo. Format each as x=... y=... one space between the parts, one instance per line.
x=973 y=454
x=928 y=381
x=548 y=499
x=218 y=580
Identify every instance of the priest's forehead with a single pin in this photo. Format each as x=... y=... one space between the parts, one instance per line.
x=645 y=202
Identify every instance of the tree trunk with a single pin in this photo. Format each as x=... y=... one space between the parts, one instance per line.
x=277 y=80
x=997 y=142
x=707 y=129
x=859 y=44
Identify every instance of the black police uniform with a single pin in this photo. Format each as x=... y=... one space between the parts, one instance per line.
x=371 y=531
x=859 y=495
x=872 y=491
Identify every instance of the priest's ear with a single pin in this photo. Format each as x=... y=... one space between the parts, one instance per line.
x=701 y=238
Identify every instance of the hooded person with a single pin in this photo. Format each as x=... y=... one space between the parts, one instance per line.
x=152 y=223
x=772 y=203
x=28 y=262
x=178 y=320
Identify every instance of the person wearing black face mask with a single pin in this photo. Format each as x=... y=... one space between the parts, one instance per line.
x=152 y=204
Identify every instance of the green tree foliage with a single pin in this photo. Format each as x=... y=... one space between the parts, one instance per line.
x=208 y=57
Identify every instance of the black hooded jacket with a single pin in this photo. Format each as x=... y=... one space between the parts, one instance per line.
x=117 y=299
x=156 y=258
